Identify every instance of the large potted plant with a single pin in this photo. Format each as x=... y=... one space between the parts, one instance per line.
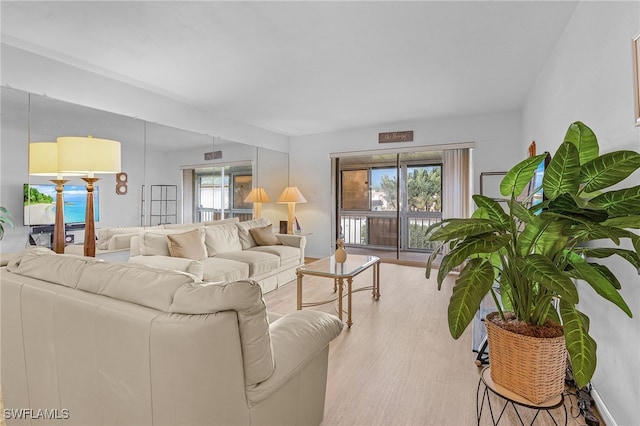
x=530 y=258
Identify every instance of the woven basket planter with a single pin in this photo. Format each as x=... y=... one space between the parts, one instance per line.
x=532 y=367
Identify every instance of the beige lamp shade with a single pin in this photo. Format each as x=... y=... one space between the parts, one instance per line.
x=43 y=159
x=257 y=195
x=88 y=155
x=291 y=194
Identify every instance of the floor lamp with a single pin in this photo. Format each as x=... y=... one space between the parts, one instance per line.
x=43 y=161
x=290 y=196
x=88 y=156
x=257 y=196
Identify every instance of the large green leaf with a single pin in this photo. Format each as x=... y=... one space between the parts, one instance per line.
x=598 y=282
x=620 y=203
x=592 y=231
x=624 y=222
x=472 y=285
x=581 y=347
x=480 y=213
x=543 y=235
x=600 y=253
x=461 y=228
x=476 y=245
x=563 y=173
x=520 y=175
x=607 y=274
x=493 y=208
x=538 y=268
x=436 y=251
x=519 y=211
x=608 y=169
x=584 y=140
x=575 y=207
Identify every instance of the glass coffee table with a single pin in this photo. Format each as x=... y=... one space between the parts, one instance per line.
x=328 y=268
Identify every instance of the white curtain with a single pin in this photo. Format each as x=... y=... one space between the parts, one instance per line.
x=457 y=183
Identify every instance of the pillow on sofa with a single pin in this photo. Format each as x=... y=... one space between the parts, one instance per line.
x=155 y=243
x=188 y=245
x=222 y=238
x=264 y=236
x=246 y=239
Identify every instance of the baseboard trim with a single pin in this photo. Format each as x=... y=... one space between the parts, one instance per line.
x=603 y=411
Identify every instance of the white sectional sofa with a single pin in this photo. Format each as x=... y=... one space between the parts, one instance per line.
x=225 y=252
x=105 y=343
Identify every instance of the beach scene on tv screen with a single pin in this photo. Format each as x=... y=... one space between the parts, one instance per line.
x=40 y=204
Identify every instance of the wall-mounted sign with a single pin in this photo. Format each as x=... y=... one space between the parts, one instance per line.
x=214 y=155
x=406 y=136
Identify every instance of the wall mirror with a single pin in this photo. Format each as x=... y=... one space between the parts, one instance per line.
x=172 y=175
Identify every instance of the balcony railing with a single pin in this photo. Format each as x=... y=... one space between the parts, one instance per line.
x=209 y=215
x=382 y=231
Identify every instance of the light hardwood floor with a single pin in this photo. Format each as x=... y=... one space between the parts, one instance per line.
x=398 y=364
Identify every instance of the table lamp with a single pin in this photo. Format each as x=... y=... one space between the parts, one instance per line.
x=88 y=156
x=257 y=196
x=290 y=196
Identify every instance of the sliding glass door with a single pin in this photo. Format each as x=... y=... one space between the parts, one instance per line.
x=218 y=192
x=387 y=201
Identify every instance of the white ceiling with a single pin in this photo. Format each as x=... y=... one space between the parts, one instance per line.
x=306 y=67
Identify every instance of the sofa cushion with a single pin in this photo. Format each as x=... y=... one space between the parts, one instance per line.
x=264 y=236
x=141 y=284
x=59 y=269
x=221 y=221
x=155 y=243
x=183 y=227
x=259 y=262
x=188 y=245
x=222 y=238
x=289 y=256
x=243 y=231
x=217 y=269
x=189 y=266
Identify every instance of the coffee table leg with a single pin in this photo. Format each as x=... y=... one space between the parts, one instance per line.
x=349 y=280
x=376 y=272
x=340 y=285
x=335 y=285
x=299 y=282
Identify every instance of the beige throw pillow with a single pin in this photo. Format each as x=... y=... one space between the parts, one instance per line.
x=264 y=236
x=188 y=245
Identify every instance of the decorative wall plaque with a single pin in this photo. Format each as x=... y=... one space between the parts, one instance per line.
x=213 y=155
x=406 y=136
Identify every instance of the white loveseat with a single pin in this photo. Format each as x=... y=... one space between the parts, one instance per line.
x=107 y=343
x=229 y=253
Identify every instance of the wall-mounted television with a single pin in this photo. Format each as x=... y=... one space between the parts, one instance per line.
x=40 y=204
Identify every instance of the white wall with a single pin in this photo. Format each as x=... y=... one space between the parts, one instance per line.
x=589 y=78
x=497 y=139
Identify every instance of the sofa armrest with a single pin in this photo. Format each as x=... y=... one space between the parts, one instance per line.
x=120 y=242
x=181 y=264
x=292 y=240
x=134 y=246
x=296 y=338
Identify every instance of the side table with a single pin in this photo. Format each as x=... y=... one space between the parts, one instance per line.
x=511 y=399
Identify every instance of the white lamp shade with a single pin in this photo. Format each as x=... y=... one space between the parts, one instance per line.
x=43 y=159
x=88 y=155
x=257 y=195
x=291 y=194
